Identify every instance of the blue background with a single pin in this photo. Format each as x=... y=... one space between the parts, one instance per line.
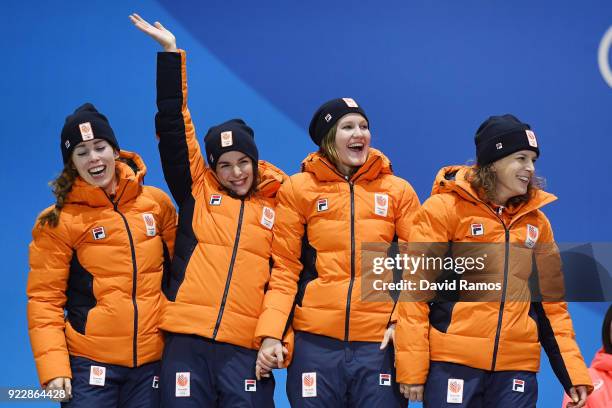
x=427 y=72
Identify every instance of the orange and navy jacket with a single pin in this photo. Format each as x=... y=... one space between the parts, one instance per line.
x=323 y=219
x=494 y=336
x=221 y=266
x=94 y=288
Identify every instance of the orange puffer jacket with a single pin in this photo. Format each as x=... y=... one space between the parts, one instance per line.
x=102 y=266
x=496 y=336
x=322 y=221
x=222 y=260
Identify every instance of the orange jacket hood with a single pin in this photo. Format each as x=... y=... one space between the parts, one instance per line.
x=375 y=165
x=130 y=177
x=453 y=179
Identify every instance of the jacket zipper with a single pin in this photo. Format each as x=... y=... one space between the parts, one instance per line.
x=350 y=289
x=229 y=272
x=134 y=280
x=505 y=282
x=503 y=298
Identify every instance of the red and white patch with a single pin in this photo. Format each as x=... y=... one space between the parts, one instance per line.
x=98 y=233
x=267 y=217
x=381 y=204
x=227 y=138
x=183 y=384
x=384 y=379
x=250 y=385
x=86 y=131
x=97 y=375
x=215 y=199
x=350 y=102
x=518 y=385
x=149 y=221
x=454 y=392
x=532 y=236
x=531 y=138
x=477 y=229
x=322 y=204
x=309 y=385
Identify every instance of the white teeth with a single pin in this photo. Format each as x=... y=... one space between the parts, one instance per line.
x=356 y=145
x=96 y=169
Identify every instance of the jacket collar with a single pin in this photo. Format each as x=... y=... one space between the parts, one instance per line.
x=453 y=179
x=129 y=184
x=270 y=179
x=376 y=164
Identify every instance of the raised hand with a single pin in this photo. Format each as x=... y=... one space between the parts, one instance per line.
x=156 y=31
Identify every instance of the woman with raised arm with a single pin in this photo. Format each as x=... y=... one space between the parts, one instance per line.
x=345 y=196
x=96 y=264
x=486 y=353
x=221 y=265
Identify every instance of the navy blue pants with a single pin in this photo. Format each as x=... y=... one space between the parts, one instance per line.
x=198 y=372
x=102 y=385
x=479 y=388
x=326 y=372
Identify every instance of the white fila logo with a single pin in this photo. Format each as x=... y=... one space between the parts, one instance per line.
x=328 y=117
x=155 y=382
x=381 y=204
x=384 y=379
x=67 y=144
x=322 y=204
x=499 y=146
x=309 y=385
x=183 y=384
x=531 y=138
x=518 y=385
x=97 y=375
x=98 y=233
x=226 y=138
x=477 y=229
x=267 y=217
x=149 y=221
x=250 y=385
x=86 y=131
x=215 y=199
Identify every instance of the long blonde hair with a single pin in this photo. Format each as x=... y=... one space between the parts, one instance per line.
x=328 y=146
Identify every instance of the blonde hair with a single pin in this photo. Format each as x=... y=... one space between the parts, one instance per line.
x=483 y=180
x=61 y=186
x=328 y=146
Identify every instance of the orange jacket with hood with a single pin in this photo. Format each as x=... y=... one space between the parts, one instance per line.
x=221 y=266
x=323 y=219
x=492 y=336
x=94 y=288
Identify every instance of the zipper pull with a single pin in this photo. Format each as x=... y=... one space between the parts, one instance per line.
x=500 y=209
